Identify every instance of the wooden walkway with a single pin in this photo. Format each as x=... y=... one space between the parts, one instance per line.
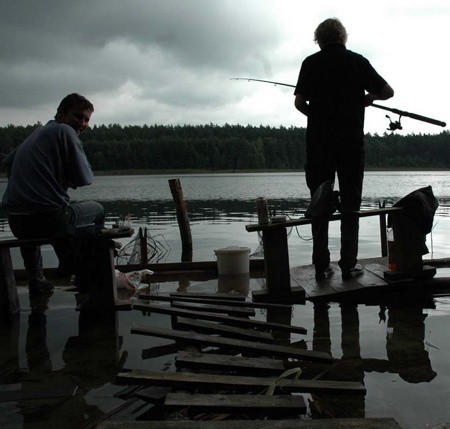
x=371 y=283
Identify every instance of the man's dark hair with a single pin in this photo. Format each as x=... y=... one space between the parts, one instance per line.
x=330 y=31
x=73 y=101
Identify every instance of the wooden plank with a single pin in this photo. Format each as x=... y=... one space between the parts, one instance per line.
x=223 y=330
x=267 y=349
x=229 y=363
x=369 y=423
x=158 y=351
x=379 y=269
x=305 y=277
x=222 y=309
x=248 y=404
x=250 y=304
x=306 y=221
x=231 y=383
x=226 y=296
x=227 y=320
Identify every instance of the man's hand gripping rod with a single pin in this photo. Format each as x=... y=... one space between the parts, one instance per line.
x=392 y=126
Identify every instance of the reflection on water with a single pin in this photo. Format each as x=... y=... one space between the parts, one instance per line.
x=397 y=351
x=69 y=374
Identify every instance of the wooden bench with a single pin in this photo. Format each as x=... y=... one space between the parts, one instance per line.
x=276 y=254
x=103 y=292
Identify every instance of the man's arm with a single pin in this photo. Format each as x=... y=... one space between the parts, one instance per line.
x=301 y=104
x=385 y=93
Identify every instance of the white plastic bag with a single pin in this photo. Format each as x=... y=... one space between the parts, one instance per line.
x=131 y=280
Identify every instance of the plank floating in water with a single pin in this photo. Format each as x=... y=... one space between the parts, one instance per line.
x=229 y=363
x=227 y=320
x=249 y=404
x=227 y=309
x=230 y=382
x=250 y=304
x=267 y=349
x=225 y=296
x=370 y=423
x=223 y=330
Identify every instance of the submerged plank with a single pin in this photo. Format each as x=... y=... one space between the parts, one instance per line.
x=229 y=363
x=235 y=303
x=264 y=349
x=227 y=309
x=370 y=423
x=249 y=404
x=227 y=320
x=223 y=330
x=232 y=383
x=226 y=296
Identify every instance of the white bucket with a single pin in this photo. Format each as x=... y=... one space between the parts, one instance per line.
x=233 y=260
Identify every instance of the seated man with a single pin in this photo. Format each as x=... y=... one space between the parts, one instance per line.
x=40 y=171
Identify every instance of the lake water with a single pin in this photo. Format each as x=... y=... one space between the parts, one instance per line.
x=220 y=205
x=398 y=349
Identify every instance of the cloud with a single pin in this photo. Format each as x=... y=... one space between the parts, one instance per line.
x=170 y=61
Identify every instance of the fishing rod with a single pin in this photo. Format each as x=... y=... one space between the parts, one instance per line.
x=393 y=125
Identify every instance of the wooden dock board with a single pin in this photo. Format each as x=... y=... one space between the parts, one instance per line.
x=223 y=330
x=213 y=308
x=231 y=383
x=264 y=349
x=250 y=304
x=227 y=320
x=369 y=423
x=371 y=281
x=241 y=364
x=226 y=296
x=248 y=404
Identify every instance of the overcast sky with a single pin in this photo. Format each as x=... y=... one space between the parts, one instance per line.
x=170 y=61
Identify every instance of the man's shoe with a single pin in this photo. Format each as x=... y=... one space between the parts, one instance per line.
x=324 y=274
x=356 y=271
x=40 y=287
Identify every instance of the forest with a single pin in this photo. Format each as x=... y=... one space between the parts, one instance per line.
x=232 y=148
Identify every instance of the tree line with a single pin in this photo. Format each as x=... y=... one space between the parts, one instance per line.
x=231 y=147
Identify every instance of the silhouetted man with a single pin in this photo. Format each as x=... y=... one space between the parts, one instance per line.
x=333 y=89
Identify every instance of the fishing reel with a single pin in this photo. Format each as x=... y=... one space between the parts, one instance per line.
x=394 y=125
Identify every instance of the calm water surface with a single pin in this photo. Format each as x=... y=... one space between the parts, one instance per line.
x=399 y=350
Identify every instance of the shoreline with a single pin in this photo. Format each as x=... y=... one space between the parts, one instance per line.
x=139 y=172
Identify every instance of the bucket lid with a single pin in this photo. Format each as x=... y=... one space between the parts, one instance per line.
x=232 y=249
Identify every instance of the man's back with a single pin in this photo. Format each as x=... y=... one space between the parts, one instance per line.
x=42 y=168
x=334 y=81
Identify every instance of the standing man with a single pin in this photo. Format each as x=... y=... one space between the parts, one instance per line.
x=333 y=89
x=40 y=171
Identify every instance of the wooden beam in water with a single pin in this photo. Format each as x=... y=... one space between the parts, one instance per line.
x=232 y=383
x=227 y=320
x=225 y=296
x=227 y=309
x=229 y=363
x=222 y=330
x=187 y=298
x=248 y=404
x=264 y=349
x=370 y=423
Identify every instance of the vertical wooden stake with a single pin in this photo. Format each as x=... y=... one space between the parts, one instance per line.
x=183 y=220
x=383 y=237
x=143 y=246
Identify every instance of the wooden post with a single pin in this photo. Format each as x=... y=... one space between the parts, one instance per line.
x=276 y=257
x=383 y=237
x=9 y=300
x=183 y=220
x=143 y=246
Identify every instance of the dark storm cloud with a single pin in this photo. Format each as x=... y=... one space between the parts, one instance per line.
x=174 y=51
